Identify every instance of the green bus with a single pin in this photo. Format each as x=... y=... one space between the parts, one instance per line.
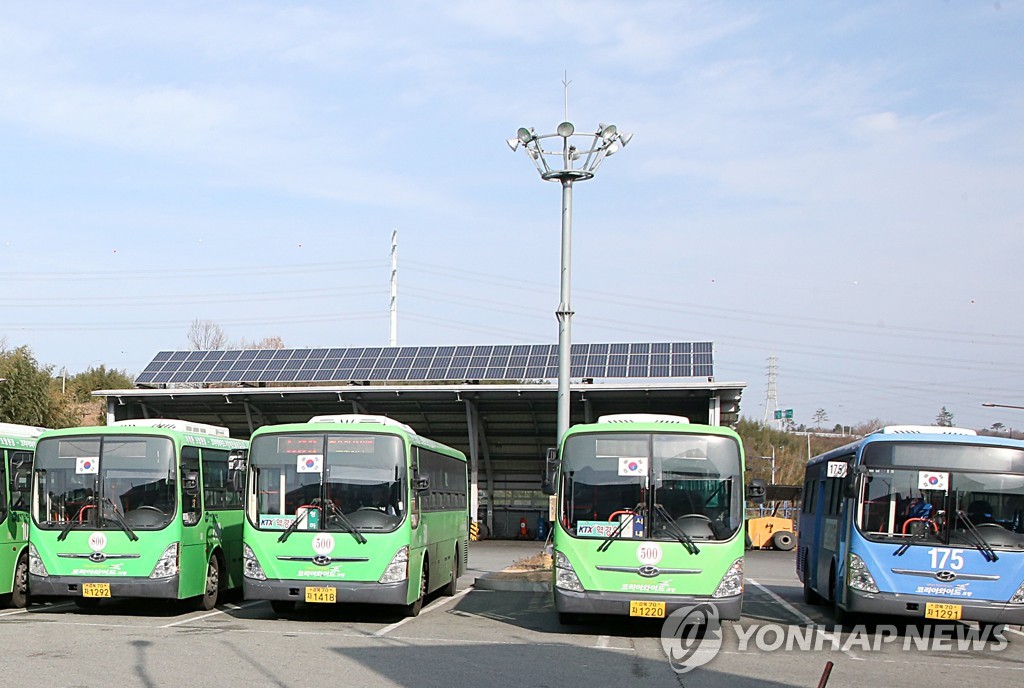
x=649 y=517
x=353 y=508
x=140 y=508
x=17 y=442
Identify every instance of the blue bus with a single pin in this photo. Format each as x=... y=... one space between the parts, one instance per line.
x=916 y=521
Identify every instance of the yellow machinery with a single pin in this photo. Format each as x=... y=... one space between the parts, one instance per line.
x=771 y=532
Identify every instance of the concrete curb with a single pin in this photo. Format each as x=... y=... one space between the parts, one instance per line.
x=508 y=584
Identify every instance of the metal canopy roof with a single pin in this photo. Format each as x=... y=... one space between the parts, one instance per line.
x=516 y=423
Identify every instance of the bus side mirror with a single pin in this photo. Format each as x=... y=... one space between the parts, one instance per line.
x=421 y=484
x=547 y=483
x=850 y=489
x=190 y=483
x=756 y=491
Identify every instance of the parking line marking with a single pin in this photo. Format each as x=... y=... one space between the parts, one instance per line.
x=798 y=614
x=436 y=604
x=215 y=612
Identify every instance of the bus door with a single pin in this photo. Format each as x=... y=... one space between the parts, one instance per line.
x=192 y=573
x=831 y=533
x=20 y=475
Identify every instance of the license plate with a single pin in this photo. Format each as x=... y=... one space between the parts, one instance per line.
x=328 y=595
x=945 y=612
x=95 y=589
x=648 y=609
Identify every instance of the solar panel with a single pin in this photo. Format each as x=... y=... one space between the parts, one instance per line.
x=429 y=363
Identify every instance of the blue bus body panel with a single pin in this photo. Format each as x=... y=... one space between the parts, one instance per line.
x=914 y=572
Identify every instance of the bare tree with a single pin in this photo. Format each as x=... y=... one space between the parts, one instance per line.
x=273 y=342
x=820 y=418
x=206 y=335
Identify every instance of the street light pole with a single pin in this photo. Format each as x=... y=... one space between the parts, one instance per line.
x=571 y=163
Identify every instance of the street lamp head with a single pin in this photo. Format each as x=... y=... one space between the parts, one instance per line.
x=513 y=144
x=525 y=135
x=624 y=139
x=607 y=131
x=565 y=129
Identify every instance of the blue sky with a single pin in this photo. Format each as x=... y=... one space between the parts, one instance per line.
x=837 y=184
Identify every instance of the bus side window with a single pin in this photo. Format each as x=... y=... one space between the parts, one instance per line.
x=21 y=476
x=191 y=506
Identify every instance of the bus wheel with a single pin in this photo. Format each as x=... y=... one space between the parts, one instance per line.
x=282 y=606
x=414 y=608
x=783 y=540
x=810 y=595
x=840 y=615
x=19 y=595
x=453 y=585
x=208 y=600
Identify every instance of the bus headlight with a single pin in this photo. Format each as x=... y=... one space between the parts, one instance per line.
x=251 y=565
x=398 y=570
x=1018 y=597
x=565 y=574
x=859 y=576
x=167 y=565
x=732 y=581
x=35 y=564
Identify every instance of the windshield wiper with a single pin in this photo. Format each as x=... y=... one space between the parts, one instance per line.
x=342 y=519
x=603 y=547
x=293 y=526
x=673 y=528
x=119 y=519
x=71 y=521
x=979 y=540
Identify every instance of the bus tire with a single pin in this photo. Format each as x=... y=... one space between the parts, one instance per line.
x=453 y=585
x=19 y=591
x=841 y=616
x=413 y=609
x=282 y=606
x=208 y=600
x=811 y=596
x=783 y=541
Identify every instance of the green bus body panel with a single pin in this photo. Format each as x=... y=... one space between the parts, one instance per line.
x=713 y=560
x=14 y=528
x=217 y=530
x=437 y=537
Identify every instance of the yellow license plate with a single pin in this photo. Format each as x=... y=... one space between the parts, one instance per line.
x=946 y=612
x=95 y=589
x=328 y=595
x=654 y=610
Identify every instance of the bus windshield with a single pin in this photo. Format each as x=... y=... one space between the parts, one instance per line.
x=317 y=476
x=105 y=482
x=651 y=485
x=918 y=493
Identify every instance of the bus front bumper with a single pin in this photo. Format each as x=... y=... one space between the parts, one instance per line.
x=345 y=591
x=63 y=586
x=599 y=602
x=897 y=604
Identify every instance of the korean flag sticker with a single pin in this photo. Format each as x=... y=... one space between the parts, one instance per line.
x=927 y=480
x=87 y=465
x=633 y=466
x=309 y=463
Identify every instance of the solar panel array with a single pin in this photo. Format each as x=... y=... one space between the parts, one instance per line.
x=428 y=363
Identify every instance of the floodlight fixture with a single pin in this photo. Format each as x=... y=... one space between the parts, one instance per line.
x=577 y=159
